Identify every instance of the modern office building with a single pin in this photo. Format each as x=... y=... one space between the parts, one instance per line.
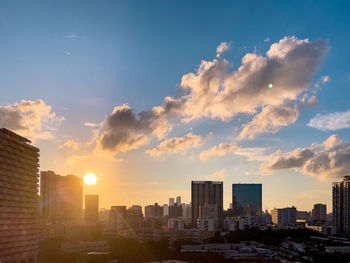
x=284 y=216
x=207 y=193
x=171 y=201
x=319 y=213
x=341 y=205
x=246 y=199
x=61 y=197
x=154 y=211
x=19 y=200
x=91 y=208
x=117 y=217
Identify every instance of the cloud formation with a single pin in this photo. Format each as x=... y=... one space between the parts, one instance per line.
x=219 y=174
x=220 y=150
x=70 y=144
x=176 y=144
x=272 y=89
x=223 y=47
x=91 y=124
x=331 y=122
x=33 y=119
x=331 y=159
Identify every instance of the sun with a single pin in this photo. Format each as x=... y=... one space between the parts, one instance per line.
x=90 y=179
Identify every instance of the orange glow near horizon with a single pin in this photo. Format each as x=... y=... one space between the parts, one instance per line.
x=90 y=179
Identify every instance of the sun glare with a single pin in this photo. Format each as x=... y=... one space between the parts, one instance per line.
x=90 y=179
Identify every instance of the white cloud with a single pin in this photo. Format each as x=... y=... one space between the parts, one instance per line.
x=223 y=47
x=219 y=174
x=325 y=79
x=220 y=150
x=33 y=119
x=70 y=144
x=331 y=122
x=328 y=160
x=176 y=144
x=90 y=124
x=267 y=39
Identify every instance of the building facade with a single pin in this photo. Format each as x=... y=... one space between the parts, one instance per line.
x=91 y=208
x=154 y=211
x=206 y=193
x=284 y=216
x=246 y=199
x=341 y=205
x=117 y=216
x=19 y=200
x=319 y=212
x=61 y=197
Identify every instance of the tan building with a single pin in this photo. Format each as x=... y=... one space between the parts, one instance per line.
x=19 y=200
x=61 y=197
x=91 y=208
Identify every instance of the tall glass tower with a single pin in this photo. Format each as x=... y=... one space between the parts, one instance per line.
x=246 y=199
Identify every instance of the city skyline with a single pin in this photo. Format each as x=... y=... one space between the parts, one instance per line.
x=149 y=105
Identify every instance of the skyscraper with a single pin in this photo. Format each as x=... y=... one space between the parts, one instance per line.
x=91 y=208
x=246 y=199
x=207 y=193
x=117 y=217
x=61 y=197
x=171 y=201
x=19 y=209
x=341 y=205
x=319 y=212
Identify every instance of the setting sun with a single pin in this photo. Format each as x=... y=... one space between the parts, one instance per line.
x=90 y=179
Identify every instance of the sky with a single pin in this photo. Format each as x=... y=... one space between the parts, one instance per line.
x=150 y=95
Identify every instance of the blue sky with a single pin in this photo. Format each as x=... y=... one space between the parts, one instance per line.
x=83 y=58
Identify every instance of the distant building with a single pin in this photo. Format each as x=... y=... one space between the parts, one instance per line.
x=175 y=211
x=171 y=201
x=103 y=215
x=246 y=199
x=19 y=209
x=61 y=197
x=117 y=217
x=153 y=211
x=175 y=224
x=165 y=210
x=134 y=217
x=341 y=205
x=207 y=193
x=303 y=215
x=91 y=208
x=284 y=216
x=178 y=200
x=319 y=213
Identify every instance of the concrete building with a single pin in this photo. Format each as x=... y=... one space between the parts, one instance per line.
x=207 y=193
x=341 y=205
x=176 y=224
x=165 y=210
x=134 y=218
x=154 y=211
x=61 y=197
x=117 y=216
x=284 y=216
x=19 y=200
x=91 y=208
x=246 y=199
x=178 y=200
x=319 y=213
x=175 y=211
x=171 y=201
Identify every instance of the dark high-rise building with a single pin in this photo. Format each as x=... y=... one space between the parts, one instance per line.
x=175 y=211
x=134 y=217
x=341 y=205
x=19 y=200
x=207 y=193
x=91 y=208
x=61 y=197
x=246 y=199
x=319 y=213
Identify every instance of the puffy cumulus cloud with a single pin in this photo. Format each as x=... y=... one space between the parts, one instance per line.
x=223 y=47
x=219 y=174
x=220 y=150
x=331 y=122
x=272 y=118
x=29 y=118
x=327 y=160
x=176 y=144
x=70 y=144
x=288 y=66
x=125 y=130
